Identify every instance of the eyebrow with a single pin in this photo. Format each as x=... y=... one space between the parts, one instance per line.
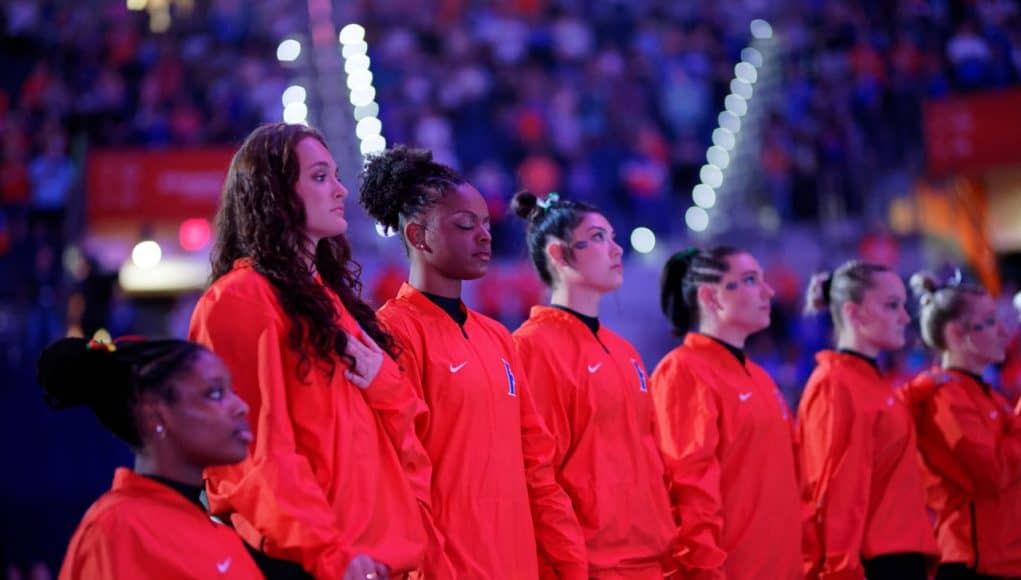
x=598 y=228
x=318 y=163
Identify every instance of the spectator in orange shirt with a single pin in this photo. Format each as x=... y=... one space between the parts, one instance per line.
x=495 y=493
x=590 y=387
x=172 y=403
x=968 y=434
x=725 y=429
x=337 y=483
x=859 y=460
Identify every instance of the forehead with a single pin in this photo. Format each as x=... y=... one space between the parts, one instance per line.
x=463 y=198
x=593 y=220
x=310 y=151
x=886 y=283
x=741 y=263
x=981 y=303
x=206 y=367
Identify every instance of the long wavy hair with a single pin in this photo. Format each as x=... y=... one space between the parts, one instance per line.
x=262 y=218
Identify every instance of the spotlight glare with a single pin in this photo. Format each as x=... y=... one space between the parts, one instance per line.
x=696 y=218
x=288 y=50
x=351 y=34
x=643 y=240
x=703 y=196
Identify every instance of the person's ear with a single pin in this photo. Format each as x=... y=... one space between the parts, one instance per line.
x=414 y=233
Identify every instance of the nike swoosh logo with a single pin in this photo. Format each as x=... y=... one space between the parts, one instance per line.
x=993 y=414
x=889 y=402
x=744 y=396
x=223 y=566
x=454 y=369
x=593 y=368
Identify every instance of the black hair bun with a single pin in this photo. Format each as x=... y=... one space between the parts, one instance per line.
x=72 y=374
x=525 y=205
x=390 y=183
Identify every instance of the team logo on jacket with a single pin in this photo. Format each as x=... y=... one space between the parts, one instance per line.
x=641 y=375
x=511 y=387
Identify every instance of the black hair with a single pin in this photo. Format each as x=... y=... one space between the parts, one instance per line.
x=682 y=274
x=551 y=217
x=112 y=379
x=941 y=302
x=848 y=283
x=402 y=183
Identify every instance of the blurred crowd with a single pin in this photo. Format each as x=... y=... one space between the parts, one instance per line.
x=608 y=101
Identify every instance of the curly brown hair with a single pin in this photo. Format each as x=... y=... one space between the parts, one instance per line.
x=261 y=217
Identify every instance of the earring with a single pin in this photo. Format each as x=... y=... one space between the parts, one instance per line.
x=161 y=431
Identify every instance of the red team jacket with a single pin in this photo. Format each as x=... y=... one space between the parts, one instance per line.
x=593 y=393
x=726 y=439
x=863 y=487
x=970 y=441
x=144 y=529
x=494 y=492
x=334 y=470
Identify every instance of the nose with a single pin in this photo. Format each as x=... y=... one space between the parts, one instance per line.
x=616 y=250
x=485 y=236
x=903 y=315
x=240 y=407
x=340 y=191
x=768 y=289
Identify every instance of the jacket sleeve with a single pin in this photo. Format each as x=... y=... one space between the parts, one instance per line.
x=989 y=460
x=687 y=416
x=406 y=419
x=275 y=489
x=557 y=531
x=553 y=395
x=111 y=551
x=836 y=447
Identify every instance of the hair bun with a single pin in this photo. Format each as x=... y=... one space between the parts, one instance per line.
x=525 y=205
x=818 y=297
x=924 y=285
x=69 y=371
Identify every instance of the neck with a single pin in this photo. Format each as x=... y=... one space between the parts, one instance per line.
x=146 y=464
x=578 y=299
x=848 y=341
x=428 y=280
x=732 y=336
x=963 y=362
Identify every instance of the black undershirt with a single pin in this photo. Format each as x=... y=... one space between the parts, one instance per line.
x=192 y=493
x=452 y=306
x=872 y=362
x=591 y=322
x=737 y=352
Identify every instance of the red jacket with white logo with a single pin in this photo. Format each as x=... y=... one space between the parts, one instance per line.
x=334 y=470
x=141 y=529
x=494 y=491
x=592 y=390
x=970 y=441
x=863 y=486
x=726 y=439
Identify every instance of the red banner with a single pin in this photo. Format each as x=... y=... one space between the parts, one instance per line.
x=155 y=185
x=970 y=134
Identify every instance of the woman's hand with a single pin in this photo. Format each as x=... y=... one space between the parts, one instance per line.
x=363 y=567
x=368 y=359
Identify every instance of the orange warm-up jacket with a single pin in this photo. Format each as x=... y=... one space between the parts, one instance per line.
x=592 y=391
x=970 y=441
x=143 y=529
x=726 y=438
x=334 y=470
x=495 y=495
x=863 y=486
